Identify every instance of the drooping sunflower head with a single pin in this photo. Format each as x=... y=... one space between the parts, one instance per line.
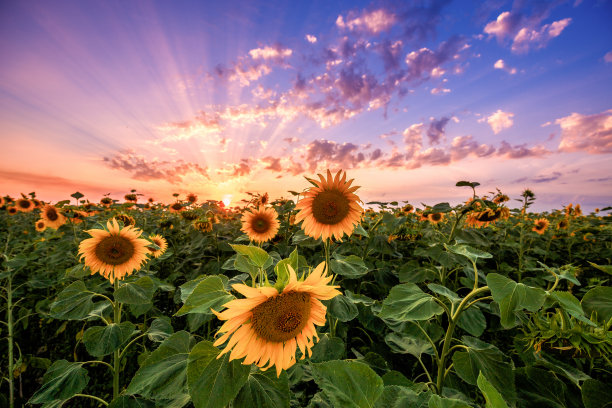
x=114 y=252
x=127 y=220
x=408 y=208
x=500 y=198
x=161 y=243
x=106 y=201
x=330 y=208
x=40 y=225
x=562 y=224
x=540 y=225
x=260 y=224
x=52 y=217
x=577 y=210
x=131 y=198
x=37 y=203
x=189 y=215
x=435 y=217
x=24 y=205
x=267 y=326
x=176 y=207
x=203 y=225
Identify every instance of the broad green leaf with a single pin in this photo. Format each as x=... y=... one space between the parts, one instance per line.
x=596 y=394
x=408 y=344
x=73 y=303
x=282 y=268
x=396 y=396
x=599 y=300
x=360 y=231
x=512 y=297
x=469 y=252
x=136 y=293
x=79 y=271
x=604 y=268
x=328 y=348
x=359 y=298
x=409 y=273
x=351 y=267
x=208 y=294
x=571 y=305
x=437 y=401
x=244 y=264
x=444 y=291
x=442 y=207
x=103 y=340
x=264 y=390
x=485 y=358
x=258 y=256
x=342 y=308
x=540 y=387
x=160 y=329
x=492 y=396
x=213 y=382
x=163 y=375
x=396 y=378
x=348 y=384
x=128 y=401
x=464 y=183
x=61 y=381
x=407 y=302
x=570 y=372
x=473 y=321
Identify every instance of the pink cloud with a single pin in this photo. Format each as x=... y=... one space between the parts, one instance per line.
x=463 y=146
x=591 y=133
x=311 y=38
x=268 y=52
x=519 y=151
x=373 y=22
x=499 y=120
x=501 y=64
x=608 y=56
x=528 y=38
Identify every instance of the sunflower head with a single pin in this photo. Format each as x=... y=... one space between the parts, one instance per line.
x=330 y=208
x=189 y=215
x=260 y=224
x=408 y=208
x=12 y=210
x=176 y=207
x=267 y=326
x=500 y=198
x=540 y=225
x=40 y=225
x=435 y=218
x=127 y=220
x=131 y=198
x=106 y=201
x=203 y=225
x=114 y=252
x=151 y=200
x=161 y=243
x=52 y=217
x=562 y=224
x=24 y=205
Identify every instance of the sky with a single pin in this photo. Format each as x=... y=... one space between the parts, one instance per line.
x=224 y=98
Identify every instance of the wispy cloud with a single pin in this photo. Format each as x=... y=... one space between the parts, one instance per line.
x=501 y=64
x=590 y=133
x=371 y=21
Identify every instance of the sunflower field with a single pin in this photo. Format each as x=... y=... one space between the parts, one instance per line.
x=310 y=302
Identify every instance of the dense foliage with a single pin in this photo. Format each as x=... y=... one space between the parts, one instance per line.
x=448 y=306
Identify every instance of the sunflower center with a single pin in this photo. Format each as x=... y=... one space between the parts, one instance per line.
x=330 y=207
x=115 y=250
x=52 y=214
x=260 y=225
x=281 y=317
x=24 y=204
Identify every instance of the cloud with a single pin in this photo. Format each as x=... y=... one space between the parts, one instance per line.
x=547 y=178
x=272 y=163
x=499 y=120
x=520 y=151
x=147 y=170
x=590 y=133
x=413 y=139
x=276 y=52
x=528 y=38
x=440 y=90
x=311 y=38
x=333 y=154
x=436 y=130
x=373 y=22
x=425 y=63
x=463 y=146
x=501 y=64
x=608 y=56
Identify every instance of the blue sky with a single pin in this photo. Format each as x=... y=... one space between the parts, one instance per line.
x=220 y=98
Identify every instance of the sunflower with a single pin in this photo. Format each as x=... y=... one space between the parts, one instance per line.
x=408 y=208
x=192 y=198
x=77 y=217
x=500 y=198
x=562 y=224
x=435 y=218
x=540 y=225
x=176 y=207
x=52 y=217
x=267 y=327
x=106 y=201
x=330 y=208
x=127 y=220
x=160 y=242
x=40 y=225
x=2 y=202
x=577 y=210
x=260 y=225
x=24 y=205
x=114 y=253
x=203 y=225
x=12 y=210
x=131 y=198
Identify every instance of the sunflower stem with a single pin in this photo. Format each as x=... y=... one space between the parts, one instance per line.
x=116 y=356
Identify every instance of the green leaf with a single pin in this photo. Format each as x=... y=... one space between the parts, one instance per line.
x=77 y=195
x=208 y=294
x=213 y=382
x=244 y=264
x=444 y=291
x=439 y=402
x=512 y=297
x=464 y=183
x=163 y=375
x=101 y=341
x=492 y=396
x=348 y=384
x=599 y=300
x=127 y=401
x=472 y=321
x=487 y=358
x=396 y=378
x=282 y=268
x=410 y=273
x=469 y=252
x=342 y=308
x=160 y=329
x=596 y=394
x=327 y=348
x=351 y=267
x=136 y=293
x=541 y=388
x=360 y=231
x=61 y=381
x=441 y=208
x=359 y=298
x=407 y=302
x=73 y=303
x=396 y=396
x=263 y=389
x=604 y=268
x=408 y=344
x=258 y=256
x=571 y=305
